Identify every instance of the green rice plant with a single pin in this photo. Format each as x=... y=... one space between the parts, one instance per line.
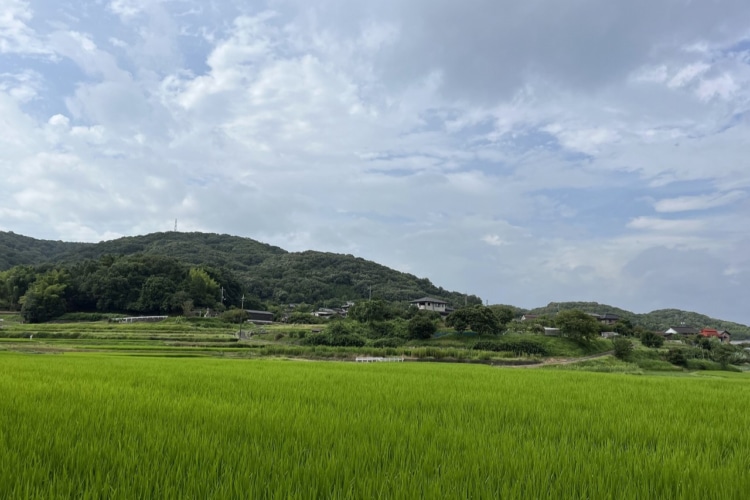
x=656 y=365
x=112 y=426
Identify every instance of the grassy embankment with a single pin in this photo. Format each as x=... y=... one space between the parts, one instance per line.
x=214 y=337
x=87 y=425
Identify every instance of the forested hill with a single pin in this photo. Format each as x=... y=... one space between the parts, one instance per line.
x=17 y=250
x=654 y=320
x=268 y=273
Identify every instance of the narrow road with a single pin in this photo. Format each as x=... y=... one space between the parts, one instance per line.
x=564 y=361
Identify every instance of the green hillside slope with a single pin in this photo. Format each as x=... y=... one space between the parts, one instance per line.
x=268 y=272
x=655 y=320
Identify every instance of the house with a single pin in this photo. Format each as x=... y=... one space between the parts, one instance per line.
x=324 y=312
x=681 y=330
x=529 y=317
x=345 y=308
x=607 y=318
x=430 y=304
x=552 y=332
x=259 y=317
x=723 y=335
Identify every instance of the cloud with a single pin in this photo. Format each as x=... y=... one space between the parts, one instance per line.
x=666 y=225
x=526 y=152
x=688 y=203
x=15 y=34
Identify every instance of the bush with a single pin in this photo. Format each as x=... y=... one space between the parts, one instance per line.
x=677 y=357
x=316 y=339
x=702 y=364
x=623 y=348
x=388 y=342
x=516 y=346
x=421 y=327
x=84 y=316
x=651 y=339
x=334 y=337
x=655 y=365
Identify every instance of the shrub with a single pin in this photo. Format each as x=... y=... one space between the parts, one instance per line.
x=651 y=339
x=84 y=316
x=702 y=364
x=516 y=346
x=655 y=365
x=316 y=339
x=388 y=342
x=421 y=327
x=623 y=348
x=677 y=357
x=327 y=339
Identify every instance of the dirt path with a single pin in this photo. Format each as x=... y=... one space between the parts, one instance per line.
x=564 y=361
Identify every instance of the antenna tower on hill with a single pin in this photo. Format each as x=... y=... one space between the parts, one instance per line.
x=175 y=225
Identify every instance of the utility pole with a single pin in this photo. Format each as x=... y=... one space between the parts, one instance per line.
x=242 y=313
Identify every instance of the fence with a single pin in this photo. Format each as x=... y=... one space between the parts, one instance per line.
x=139 y=319
x=377 y=359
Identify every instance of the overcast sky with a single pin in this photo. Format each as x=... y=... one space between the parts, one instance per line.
x=524 y=151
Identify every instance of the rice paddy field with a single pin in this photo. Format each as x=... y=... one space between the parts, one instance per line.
x=94 y=425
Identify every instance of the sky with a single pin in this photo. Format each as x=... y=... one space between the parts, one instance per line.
x=526 y=152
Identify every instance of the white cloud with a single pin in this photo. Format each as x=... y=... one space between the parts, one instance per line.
x=686 y=203
x=688 y=74
x=15 y=34
x=494 y=240
x=666 y=225
x=514 y=152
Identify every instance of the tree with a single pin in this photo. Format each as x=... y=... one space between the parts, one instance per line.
x=13 y=285
x=623 y=327
x=623 y=348
x=459 y=320
x=651 y=339
x=368 y=311
x=504 y=314
x=45 y=298
x=577 y=325
x=155 y=294
x=479 y=318
x=421 y=327
x=203 y=290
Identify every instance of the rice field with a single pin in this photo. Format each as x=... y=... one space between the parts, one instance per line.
x=88 y=425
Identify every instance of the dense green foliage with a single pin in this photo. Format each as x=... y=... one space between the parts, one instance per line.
x=623 y=348
x=658 y=320
x=519 y=346
x=577 y=325
x=421 y=327
x=480 y=319
x=651 y=339
x=114 y=427
x=265 y=273
x=18 y=250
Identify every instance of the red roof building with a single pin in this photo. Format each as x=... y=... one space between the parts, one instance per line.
x=723 y=335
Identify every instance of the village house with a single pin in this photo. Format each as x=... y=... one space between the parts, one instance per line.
x=722 y=335
x=606 y=319
x=430 y=304
x=259 y=317
x=681 y=330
